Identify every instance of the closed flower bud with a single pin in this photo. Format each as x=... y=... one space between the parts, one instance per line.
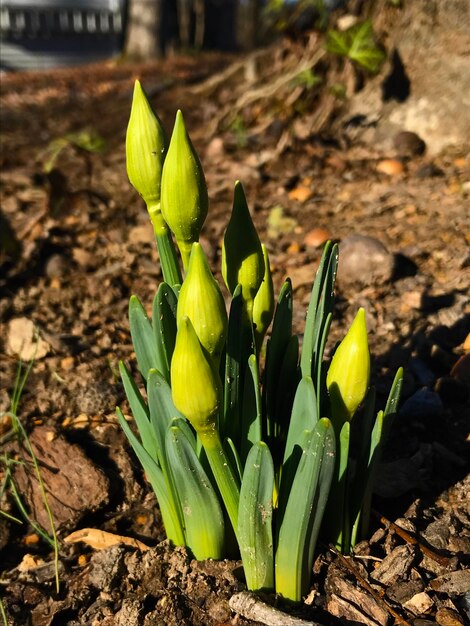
x=195 y=385
x=242 y=255
x=349 y=372
x=263 y=305
x=201 y=300
x=184 y=191
x=145 y=151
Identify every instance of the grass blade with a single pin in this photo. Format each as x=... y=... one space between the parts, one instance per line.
x=143 y=338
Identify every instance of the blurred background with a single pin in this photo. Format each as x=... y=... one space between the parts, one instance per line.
x=42 y=34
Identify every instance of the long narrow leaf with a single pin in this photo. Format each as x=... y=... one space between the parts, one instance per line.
x=139 y=411
x=276 y=348
x=164 y=326
x=251 y=416
x=293 y=552
x=255 y=535
x=171 y=520
x=203 y=516
x=143 y=338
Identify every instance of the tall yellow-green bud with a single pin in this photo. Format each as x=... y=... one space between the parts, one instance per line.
x=242 y=255
x=184 y=191
x=349 y=372
x=195 y=385
x=263 y=305
x=201 y=300
x=145 y=153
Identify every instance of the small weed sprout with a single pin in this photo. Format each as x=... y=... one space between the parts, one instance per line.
x=235 y=444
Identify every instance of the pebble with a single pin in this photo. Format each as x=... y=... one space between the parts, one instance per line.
x=409 y=144
x=429 y=170
x=24 y=340
x=364 y=260
x=466 y=343
x=452 y=390
x=424 y=375
x=317 y=237
x=56 y=266
x=391 y=167
x=419 y=603
x=424 y=403
x=461 y=369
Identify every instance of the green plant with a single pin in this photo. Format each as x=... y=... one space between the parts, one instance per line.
x=85 y=141
x=232 y=449
x=8 y=484
x=357 y=43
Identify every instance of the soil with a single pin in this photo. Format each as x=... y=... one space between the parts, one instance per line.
x=76 y=243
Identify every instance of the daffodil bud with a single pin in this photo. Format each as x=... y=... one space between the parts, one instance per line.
x=145 y=152
x=184 y=191
x=195 y=385
x=201 y=300
x=263 y=305
x=349 y=372
x=242 y=255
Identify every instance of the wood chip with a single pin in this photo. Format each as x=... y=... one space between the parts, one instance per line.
x=100 y=539
x=419 y=603
x=454 y=583
x=250 y=606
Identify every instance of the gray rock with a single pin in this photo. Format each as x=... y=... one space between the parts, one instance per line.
x=364 y=260
x=422 y=404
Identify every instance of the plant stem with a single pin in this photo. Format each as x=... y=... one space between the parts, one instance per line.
x=224 y=474
x=166 y=248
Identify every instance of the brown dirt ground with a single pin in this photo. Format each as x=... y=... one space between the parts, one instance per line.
x=85 y=245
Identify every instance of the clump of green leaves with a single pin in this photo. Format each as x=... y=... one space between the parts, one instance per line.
x=237 y=444
x=358 y=44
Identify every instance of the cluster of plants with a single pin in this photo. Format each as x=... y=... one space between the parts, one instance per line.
x=252 y=443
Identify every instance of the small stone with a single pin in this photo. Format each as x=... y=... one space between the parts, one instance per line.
x=23 y=339
x=409 y=144
x=424 y=404
x=448 y=617
x=56 y=266
x=466 y=343
x=215 y=149
x=452 y=390
x=429 y=170
x=419 y=604
x=364 y=260
x=461 y=370
x=293 y=248
x=391 y=167
x=83 y=258
x=424 y=375
x=302 y=193
x=317 y=237
x=413 y=299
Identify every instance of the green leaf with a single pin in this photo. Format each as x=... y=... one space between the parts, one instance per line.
x=171 y=520
x=302 y=517
x=304 y=415
x=319 y=313
x=251 y=415
x=337 y=515
x=237 y=353
x=143 y=338
x=139 y=411
x=255 y=535
x=164 y=327
x=276 y=348
x=364 y=50
x=203 y=518
x=287 y=385
x=358 y=44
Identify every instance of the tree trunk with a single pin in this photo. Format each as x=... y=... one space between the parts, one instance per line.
x=144 y=21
